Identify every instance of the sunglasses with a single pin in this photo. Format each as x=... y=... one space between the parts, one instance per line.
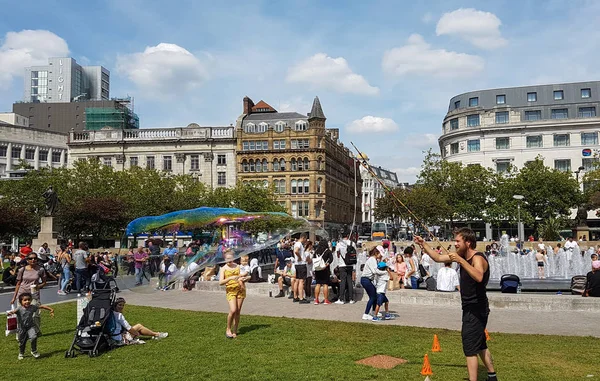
x=31 y=258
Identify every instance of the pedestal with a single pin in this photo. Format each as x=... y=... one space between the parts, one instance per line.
x=581 y=231
x=46 y=235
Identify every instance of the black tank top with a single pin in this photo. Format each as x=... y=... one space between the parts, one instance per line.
x=473 y=294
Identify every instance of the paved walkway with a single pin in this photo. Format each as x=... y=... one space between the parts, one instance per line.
x=568 y=323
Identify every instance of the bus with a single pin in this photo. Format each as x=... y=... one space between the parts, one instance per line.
x=379 y=231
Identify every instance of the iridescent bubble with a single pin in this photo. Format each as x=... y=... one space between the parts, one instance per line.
x=216 y=230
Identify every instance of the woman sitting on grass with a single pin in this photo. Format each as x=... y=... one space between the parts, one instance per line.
x=131 y=333
x=230 y=278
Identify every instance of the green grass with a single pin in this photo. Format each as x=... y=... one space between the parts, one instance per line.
x=289 y=349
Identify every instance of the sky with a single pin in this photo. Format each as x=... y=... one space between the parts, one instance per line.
x=384 y=71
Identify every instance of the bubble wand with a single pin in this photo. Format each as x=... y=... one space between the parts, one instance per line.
x=396 y=199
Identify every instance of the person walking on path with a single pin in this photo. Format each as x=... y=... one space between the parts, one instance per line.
x=474 y=276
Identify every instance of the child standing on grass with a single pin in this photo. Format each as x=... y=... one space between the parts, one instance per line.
x=381 y=284
x=28 y=322
x=229 y=276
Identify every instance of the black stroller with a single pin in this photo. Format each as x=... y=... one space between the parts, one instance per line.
x=103 y=281
x=510 y=284
x=94 y=329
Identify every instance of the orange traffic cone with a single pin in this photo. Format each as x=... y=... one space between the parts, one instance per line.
x=436 y=344
x=487 y=336
x=426 y=369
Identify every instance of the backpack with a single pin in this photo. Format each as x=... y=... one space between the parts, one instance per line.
x=430 y=284
x=350 y=258
x=319 y=263
x=423 y=271
x=578 y=283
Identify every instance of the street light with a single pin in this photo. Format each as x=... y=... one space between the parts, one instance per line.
x=577 y=173
x=520 y=233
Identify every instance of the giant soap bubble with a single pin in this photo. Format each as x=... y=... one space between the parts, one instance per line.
x=214 y=230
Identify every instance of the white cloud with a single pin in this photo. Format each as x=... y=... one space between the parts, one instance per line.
x=322 y=71
x=28 y=48
x=410 y=171
x=164 y=69
x=296 y=104
x=423 y=140
x=372 y=124
x=417 y=57
x=481 y=29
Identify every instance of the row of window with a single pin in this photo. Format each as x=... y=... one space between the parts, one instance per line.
x=532 y=141
x=262 y=127
x=530 y=116
x=297 y=186
x=167 y=162
x=589 y=164
x=300 y=164
x=558 y=95
x=263 y=145
x=30 y=154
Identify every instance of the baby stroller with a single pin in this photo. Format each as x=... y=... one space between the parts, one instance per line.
x=102 y=281
x=93 y=333
x=509 y=283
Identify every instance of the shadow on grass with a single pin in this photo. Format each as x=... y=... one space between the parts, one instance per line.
x=253 y=327
x=59 y=332
x=51 y=354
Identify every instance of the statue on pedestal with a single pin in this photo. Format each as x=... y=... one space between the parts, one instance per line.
x=51 y=200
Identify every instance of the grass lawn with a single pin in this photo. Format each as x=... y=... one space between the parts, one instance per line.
x=288 y=349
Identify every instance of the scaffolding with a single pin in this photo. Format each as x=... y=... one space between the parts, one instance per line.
x=121 y=116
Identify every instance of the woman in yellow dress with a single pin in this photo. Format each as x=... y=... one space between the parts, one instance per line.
x=229 y=276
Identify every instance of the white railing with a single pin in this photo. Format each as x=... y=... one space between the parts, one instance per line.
x=152 y=134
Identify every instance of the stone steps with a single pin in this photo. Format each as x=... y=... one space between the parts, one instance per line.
x=517 y=302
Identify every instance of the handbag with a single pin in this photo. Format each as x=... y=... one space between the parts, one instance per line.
x=11 y=322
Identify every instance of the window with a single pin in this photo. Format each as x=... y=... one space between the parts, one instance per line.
x=561 y=140
x=245 y=166
x=133 y=161
x=503 y=143
x=245 y=146
x=563 y=165
x=453 y=148
x=221 y=179
x=221 y=159
x=279 y=186
x=586 y=93
x=16 y=152
x=56 y=156
x=255 y=145
x=276 y=165
x=300 y=144
x=306 y=164
x=559 y=95
x=43 y=155
x=303 y=208
x=319 y=185
x=252 y=166
x=502 y=166
x=278 y=144
x=473 y=145
x=589 y=163
x=294 y=209
x=194 y=162
x=472 y=120
x=560 y=113
x=3 y=151
x=294 y=165
x=589 y=138
x=265 y=165
x=29 y=153
x=502 y=117
x=534 y=141
x=533 y=115
x=500 y=99
x=453 y=124
x=262 y=127
x=294 y=186
x=282 y=164
x=279 y=126
x=258 y=166
x=587 y=112
x=456 y=104
x=250 y=127
x=301 y=126
x=306 y=186
x=150 y=162
x=106 y=161
x=167 y=163
x=531 y=97
x=473 y=102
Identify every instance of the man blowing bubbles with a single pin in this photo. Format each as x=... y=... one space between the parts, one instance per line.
x=474 y=276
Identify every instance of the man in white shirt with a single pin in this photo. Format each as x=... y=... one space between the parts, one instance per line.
x=300 y=260
x=447 y=278
x=43 y=253
x=570 y=246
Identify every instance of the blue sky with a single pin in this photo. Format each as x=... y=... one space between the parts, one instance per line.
x=383 y=70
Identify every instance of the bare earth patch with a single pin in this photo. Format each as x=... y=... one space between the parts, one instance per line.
x=382 y=361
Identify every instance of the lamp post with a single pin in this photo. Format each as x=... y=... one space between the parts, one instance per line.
x=520 y=233
x=577 y=172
